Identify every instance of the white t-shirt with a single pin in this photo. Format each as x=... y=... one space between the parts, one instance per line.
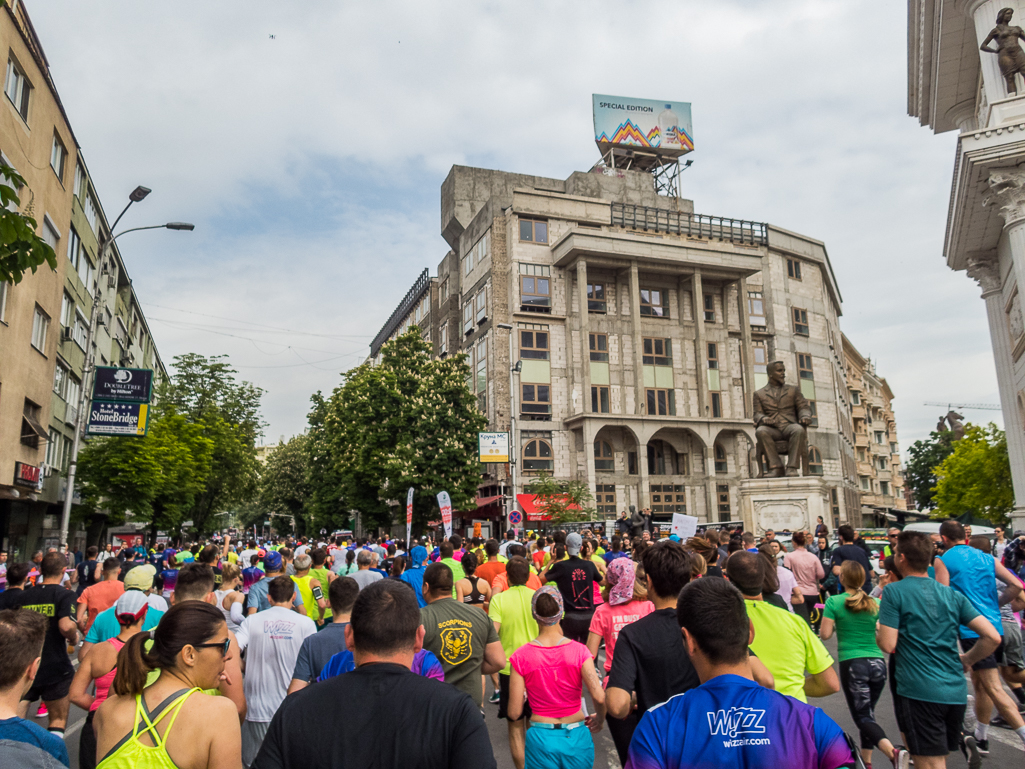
x=157 y=602
x=301 y=550
x=273 y=637
x=787 y=583
x=244 y=557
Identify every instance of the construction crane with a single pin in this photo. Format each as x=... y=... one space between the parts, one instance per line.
x=982 y=406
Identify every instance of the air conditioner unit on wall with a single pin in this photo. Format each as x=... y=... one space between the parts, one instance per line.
x=111 y=282
x=67 y=333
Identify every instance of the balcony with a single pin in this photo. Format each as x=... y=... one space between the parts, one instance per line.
x=691 y=225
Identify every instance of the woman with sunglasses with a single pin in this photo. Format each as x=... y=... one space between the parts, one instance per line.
x=100 y=666
x=171 y=724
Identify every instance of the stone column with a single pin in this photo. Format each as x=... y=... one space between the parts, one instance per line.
x=585 y=340
x=701 y=346
x=642 y=471
x=711 y=496
x=590 y=429
x=746 y=350
x=983 y=14
x=635 y=326
x=986 y=271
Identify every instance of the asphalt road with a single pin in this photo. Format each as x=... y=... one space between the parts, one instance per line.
x=1005 y=747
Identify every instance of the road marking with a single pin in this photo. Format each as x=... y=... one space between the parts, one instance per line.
x=73 y=730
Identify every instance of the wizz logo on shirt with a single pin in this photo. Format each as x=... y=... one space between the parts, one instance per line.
x=279 y=629
x=736 y=721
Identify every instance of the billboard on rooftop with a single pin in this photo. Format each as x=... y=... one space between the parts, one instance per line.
x=648 y=124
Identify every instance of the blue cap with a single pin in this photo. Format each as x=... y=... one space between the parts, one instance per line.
x=419 y=555
x=272 y=561
x=674 y=538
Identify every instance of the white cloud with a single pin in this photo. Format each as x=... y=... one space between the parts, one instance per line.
x=311 y=162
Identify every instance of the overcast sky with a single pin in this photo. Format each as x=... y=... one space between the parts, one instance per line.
x=308 y=141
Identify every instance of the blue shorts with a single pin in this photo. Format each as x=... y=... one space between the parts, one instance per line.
x=549 y=748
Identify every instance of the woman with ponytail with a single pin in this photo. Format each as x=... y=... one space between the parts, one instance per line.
x=164 y=725
x=862 y=665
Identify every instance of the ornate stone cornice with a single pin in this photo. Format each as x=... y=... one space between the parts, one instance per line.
x=1007 y=194
x=985 y=270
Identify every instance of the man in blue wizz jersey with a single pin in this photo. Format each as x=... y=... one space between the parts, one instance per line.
x=731 y=721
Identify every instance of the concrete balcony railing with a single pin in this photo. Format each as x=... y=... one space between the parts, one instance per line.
x=693 y=225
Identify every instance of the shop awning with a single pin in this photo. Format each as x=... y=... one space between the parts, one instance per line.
x=488 y=509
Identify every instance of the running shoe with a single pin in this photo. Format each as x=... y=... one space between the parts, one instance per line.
x=42 y=712
x=983 y=746
x=494 y=698
x=901 y=758
x=998 y=720
x=971 y=752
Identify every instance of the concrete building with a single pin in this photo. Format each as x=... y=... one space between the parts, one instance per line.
x=953 y=86
x=640 y=331
x=876 y=448
x=44 y=319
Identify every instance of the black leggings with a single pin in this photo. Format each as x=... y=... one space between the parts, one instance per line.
x=576 y=625
x=863 y=680
x=622 y=731
x=87 y=744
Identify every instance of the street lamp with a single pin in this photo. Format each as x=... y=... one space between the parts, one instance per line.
x=84 y=396
x=514 y=447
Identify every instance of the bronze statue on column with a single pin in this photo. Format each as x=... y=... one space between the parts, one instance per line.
x=781 y=414
x=1010 y=55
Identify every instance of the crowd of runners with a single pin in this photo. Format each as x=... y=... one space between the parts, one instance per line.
x=299 y=654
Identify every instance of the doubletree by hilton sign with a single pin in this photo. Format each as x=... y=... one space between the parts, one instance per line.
x=122 y=385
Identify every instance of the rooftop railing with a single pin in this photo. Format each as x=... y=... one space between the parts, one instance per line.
x=693 y=225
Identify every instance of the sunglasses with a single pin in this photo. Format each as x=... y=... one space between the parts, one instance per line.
x=223 y=646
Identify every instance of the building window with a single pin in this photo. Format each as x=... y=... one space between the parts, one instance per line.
x=81 y=329
x=893 y=448
x=653 y=303
x=535 y=293
x=794 y=269
x=58 y=157
x=79 y=175
x=537 y=399
x=17 y=88
x=761 y=361
x=596 y=298
x=855 y=398
x=631 y=462
x=865 y=485
x=482 y=306
x=660 y=402
x=5 y=289
x=814 y=414
x=709 y=308
x=800 y=321
x=660 y=458
x=716 y=405
x=533 y=231
x=723 y=492
x=90 y=212
x=599 y=399
x=443 y=339
x=74 y=247
x=537 y=457
x=814 y=461
x=86 y=272
x=714 y=384
x=804 y=366
x=879 y=437
x=755 y=309
x=720 y=459
x=50 y=234
x=482 y=369
x=534 y=345
x=836 y=507
x=713 y=357
x=40 y=327
x=468 y=317
x=668 y=498
x=605 y=498
x=67 y=311
x=603 y=459
x=599 y=344
x=884 y=488
x=657 y=351
x=60 y=378
x=55 y=450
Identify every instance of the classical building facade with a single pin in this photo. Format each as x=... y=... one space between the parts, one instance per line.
x=44 y=319
x=639 y=331
x=876 y=448
x=954 y=86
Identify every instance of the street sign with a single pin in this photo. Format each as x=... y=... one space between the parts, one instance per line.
x=493 y=447
x=188 y=524
x=27 y=475
x=515 y=518
x=118 y=418
x=125 y=385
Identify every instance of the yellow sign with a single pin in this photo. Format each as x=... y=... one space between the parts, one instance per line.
x=493 y=447
x=141 y=428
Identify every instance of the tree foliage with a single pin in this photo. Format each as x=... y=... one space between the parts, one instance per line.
x=21 y=249
x=285 y=485
x=562 y=501
x=976 y=477
x=409 y=421
x=924 y=457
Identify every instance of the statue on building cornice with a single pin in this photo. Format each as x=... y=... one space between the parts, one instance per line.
x=1010 y=55
x=781 y=415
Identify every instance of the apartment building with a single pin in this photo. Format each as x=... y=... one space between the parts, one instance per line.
x=877 y=450
x=640 y=332
x=44 y=319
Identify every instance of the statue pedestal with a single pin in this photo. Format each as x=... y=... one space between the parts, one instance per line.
x=783 y=504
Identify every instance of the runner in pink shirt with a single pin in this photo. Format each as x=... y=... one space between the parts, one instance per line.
x=808 y=572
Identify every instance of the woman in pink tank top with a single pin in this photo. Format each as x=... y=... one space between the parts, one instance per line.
x=100 y=665
x=551 y=671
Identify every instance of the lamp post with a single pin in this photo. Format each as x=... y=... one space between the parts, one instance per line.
x=514 y=444
x=85 y=396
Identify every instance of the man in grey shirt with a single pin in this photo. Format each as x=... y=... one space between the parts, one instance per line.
x=317 y=650
x=363 y=575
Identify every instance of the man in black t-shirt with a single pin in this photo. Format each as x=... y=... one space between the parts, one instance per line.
x=575 y=578
x=53 y=681
x=650 y=657
x=87 y=570
x=17 y=576
x=381 y=713
x=848 y=551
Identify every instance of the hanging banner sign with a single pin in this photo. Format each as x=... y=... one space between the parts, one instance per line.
x=118 y=418
x=127 y=385
x=493 y=447
x=28 y=475
x=445 y=503
x=409 y=518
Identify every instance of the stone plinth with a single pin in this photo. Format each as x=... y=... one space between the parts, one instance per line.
x=783 y=503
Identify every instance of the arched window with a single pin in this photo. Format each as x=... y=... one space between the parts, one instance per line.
x=720 y=459
x=603 y=459
x=814 y=461
x=537 y=456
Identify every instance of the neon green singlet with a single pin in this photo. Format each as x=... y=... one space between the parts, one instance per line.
x=132 y=754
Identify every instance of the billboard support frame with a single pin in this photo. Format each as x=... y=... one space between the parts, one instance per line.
x=665 y=172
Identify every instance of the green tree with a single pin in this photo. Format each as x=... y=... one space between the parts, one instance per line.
x=976 y=477
x=284 y=483
x=326 y=509
x=204 y=390
x=409 y=421
x=923 y=459
x=154 y=479
x=561 y=501
x=21 y=249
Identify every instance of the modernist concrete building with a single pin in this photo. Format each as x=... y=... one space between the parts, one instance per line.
x=639 y=332
x=876 y=448
x=954 y=86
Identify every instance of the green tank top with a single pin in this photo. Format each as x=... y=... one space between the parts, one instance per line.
x=129 y=753
x=325 y=583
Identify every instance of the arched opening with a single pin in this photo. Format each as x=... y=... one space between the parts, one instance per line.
x=814 y=461
x=721 y=465
x=537 y=457
x=603 y=458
